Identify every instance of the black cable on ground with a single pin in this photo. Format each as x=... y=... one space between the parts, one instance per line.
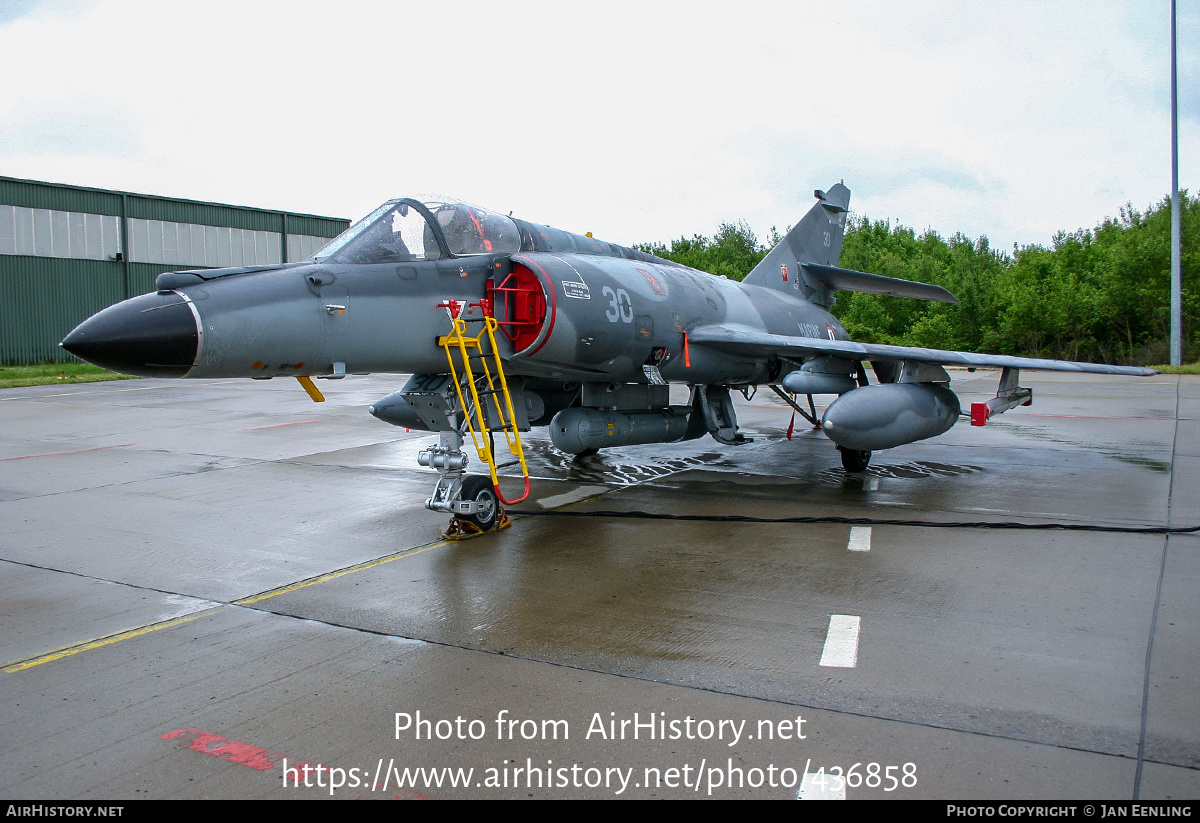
x=866 y=521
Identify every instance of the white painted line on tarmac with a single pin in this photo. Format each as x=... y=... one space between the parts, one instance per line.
x=841 y=641
x=822 y=787
x=873 y=484
x=193 y=385
x=860 y=539
x=571 y=496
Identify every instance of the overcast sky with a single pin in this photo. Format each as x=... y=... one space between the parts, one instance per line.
x=637 y=121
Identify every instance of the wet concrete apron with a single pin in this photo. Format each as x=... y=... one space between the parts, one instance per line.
x=202 y=580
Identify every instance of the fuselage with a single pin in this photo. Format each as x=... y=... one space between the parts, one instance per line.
x=569 y=307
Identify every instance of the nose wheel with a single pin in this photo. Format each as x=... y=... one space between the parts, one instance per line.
x=477 y=510
x=478 y=489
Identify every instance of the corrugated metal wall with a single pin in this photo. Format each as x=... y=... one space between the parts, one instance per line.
x=46 y=294
x=43 y=298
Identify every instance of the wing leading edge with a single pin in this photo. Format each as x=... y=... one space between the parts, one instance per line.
x=736 y=338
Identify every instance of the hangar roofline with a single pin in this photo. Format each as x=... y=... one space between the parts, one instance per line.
x=169 y=198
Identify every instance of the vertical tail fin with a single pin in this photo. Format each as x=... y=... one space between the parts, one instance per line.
x=817 y=238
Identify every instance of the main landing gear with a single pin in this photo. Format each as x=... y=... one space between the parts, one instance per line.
x=854 y=460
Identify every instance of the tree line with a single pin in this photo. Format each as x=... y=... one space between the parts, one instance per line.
x=1100 y=294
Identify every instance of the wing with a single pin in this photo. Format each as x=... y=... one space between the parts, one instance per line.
x=736 y=338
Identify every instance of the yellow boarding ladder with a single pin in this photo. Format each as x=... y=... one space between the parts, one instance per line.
x=492 y=375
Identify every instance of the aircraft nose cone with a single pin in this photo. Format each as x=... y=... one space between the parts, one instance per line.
x=154 y=335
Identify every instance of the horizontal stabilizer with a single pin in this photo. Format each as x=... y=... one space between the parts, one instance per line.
x=860 y=281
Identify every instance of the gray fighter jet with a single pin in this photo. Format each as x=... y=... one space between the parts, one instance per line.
x=505 y=324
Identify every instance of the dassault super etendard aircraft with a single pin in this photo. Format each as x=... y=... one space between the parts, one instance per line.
x=505 y=324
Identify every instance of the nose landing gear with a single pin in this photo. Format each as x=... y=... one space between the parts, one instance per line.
x=470 y=499
x=472 y=398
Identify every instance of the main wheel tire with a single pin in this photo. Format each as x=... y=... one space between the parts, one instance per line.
x=479 y=488
x=854 y=460
x=587 y=453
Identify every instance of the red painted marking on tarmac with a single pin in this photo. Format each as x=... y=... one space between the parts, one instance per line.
x=56 y=454
x=277 y=425
x=223 y=748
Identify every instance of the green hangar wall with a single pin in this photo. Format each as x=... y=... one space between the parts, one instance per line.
x=66 y=252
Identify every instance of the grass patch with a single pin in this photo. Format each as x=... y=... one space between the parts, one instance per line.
x=1186 y=368
x=48 y=374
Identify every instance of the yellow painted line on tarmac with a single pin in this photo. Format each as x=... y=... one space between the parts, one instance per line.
x=127 y=634
x=106 y=640
x=312 y=581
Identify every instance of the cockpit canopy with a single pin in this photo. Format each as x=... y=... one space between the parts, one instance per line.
x=405 y=230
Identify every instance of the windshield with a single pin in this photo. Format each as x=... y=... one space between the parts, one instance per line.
x=336 y=244
x=397 y=232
